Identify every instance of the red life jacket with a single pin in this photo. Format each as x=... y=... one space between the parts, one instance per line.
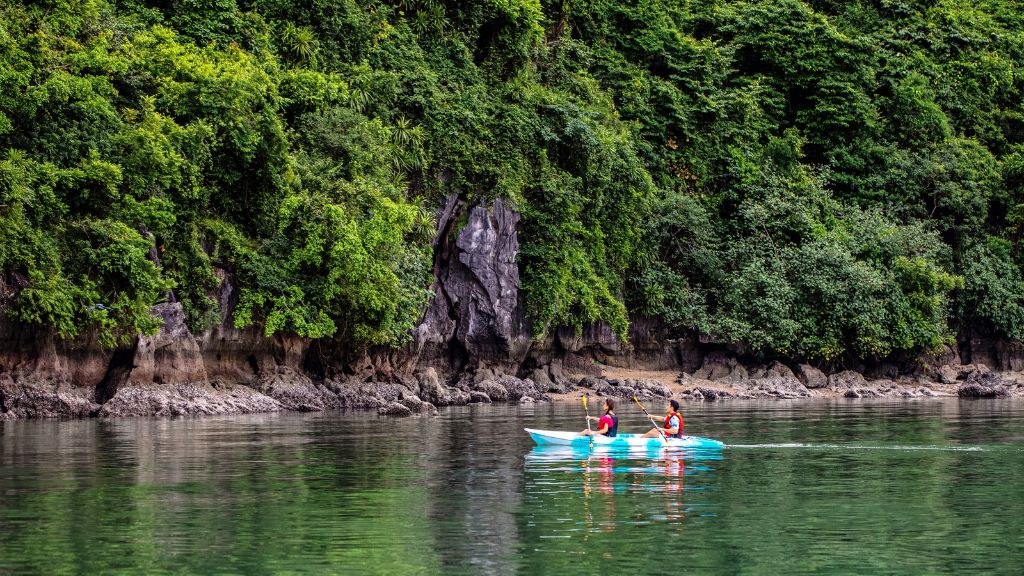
x=613 y=424
x=679 y=433
x=614 y=428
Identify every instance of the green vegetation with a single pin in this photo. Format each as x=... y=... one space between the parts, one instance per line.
x=812 y=178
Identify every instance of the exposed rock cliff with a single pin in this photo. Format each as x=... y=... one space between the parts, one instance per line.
x=476 y=316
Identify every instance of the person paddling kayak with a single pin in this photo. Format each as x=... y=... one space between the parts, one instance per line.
x=672 y=426
x=607 y=424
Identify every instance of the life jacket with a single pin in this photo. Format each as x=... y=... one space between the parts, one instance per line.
x=679 y=433
x=614 y=428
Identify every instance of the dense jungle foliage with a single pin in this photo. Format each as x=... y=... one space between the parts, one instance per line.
x=808 y=178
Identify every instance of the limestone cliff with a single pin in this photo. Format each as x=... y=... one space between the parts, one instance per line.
x=476 y=315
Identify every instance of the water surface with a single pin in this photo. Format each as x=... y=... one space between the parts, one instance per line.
x=815 y=487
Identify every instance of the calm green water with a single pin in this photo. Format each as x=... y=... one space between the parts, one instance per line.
x=929 y=487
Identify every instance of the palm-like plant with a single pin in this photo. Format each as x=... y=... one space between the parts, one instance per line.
x=408 y=143
x=301 y=42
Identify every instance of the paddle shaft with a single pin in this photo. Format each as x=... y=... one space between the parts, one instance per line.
x=651 y=418
x=588 y=413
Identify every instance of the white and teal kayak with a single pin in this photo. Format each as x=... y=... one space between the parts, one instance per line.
x=625 y=441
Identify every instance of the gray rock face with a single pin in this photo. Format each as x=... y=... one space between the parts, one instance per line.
x=42 y=376
x=476 y=310
x=948 y=354
x=481 y=374
x=456 y=397
x=972 y=390
x=395 y=409
x=650 y=387
x=846 y=379
x=350 y=394
x=183 y=399
x=885 y=388
x=519 y=389
x=591 y=382
x=983 y=385
x=996 y=353
x=165 y=374
x=711 y=394
x=946 y=374
x=429 y=383
x=479 y=398
x=296 y=391
x=774 y=381
x=884 y=370
x=721 y=368
x=172 y=356
x=541 y=378
x=431 y=389
x=418 y=405
x=599 y=335
x=615 y=391
x=629 y=388
x=493 y=390
x=31 y=400
x=1010 y=355
x=779 y=387
x=811 y=377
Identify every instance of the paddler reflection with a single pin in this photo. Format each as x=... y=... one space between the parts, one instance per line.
x=675 y=485
x=599 y=476
x=666 y=475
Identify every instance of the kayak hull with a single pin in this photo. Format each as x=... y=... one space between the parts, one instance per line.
x=625 y=441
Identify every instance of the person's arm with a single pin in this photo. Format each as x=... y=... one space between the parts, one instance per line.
x=655 y=423
x=603 y=429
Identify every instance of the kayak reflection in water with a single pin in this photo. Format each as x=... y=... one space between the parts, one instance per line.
x=673 y=425
x=607 y=424
x=675 y=484
x=599 y=480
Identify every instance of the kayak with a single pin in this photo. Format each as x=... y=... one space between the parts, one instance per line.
x=553 y=437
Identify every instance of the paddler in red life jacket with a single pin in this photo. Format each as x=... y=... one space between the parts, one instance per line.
x=607 y=424
x=672 y=427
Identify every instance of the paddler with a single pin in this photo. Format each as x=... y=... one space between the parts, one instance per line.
x=672 y=427
x=607 y=424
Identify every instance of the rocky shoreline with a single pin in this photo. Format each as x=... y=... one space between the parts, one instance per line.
x=778 y=382
x=287 y=390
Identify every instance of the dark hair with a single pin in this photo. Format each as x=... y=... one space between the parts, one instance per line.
x=610 y=403
x=675 y=404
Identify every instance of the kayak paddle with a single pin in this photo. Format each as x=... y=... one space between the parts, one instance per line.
x=590 y=432
x=588 y=413
x=651 y=418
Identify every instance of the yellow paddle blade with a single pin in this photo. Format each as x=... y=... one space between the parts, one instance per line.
x=584 y=402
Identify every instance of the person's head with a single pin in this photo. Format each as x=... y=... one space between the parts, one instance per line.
x=673 y=405
x=609 y=405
